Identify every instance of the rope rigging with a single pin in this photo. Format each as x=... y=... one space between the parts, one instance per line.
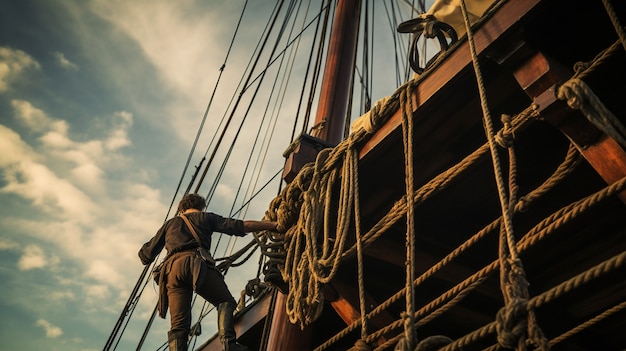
x=302 y=202
x=324 y=199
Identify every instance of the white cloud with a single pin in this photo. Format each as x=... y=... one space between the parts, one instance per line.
x=46 y=190
x=62 y=295
x=7 y=245
x=60 y=172
x=13 y=147
x=91 y=220
x=52 y=331
x=36 y=119
x=12 y=64
x=118 y=137
x=32 y=258
x=64 y=62
x=184 y=48
x=97 y=292
x=168 y=35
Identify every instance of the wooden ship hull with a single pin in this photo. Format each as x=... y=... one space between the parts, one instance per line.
x=517 y=239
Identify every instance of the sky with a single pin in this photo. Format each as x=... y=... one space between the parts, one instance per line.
x=100 y=101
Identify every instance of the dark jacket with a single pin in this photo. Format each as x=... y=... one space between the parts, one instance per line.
x=175 y=236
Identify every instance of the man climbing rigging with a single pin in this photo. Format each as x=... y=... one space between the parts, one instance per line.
x=186 y=269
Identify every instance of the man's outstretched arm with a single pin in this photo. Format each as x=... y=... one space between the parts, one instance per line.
x=256 y=226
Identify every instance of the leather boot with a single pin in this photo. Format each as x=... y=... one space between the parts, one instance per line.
x=225 y=323
x=177 y=341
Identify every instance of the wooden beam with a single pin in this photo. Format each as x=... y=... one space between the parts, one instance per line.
x=539 y=76
x=344 y=299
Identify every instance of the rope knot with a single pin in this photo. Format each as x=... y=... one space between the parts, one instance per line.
x=361 y=345
x=405 y=343
x=512 y=323
x=505 y=136
x=580 y=67
x=579 y=96
x=504 y=139
x=372 y=120
x=573 y=92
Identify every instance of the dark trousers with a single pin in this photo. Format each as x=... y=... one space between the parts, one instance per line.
x=188 y=274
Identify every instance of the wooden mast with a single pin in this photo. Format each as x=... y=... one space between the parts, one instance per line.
x=330 y=123
x=338 y=71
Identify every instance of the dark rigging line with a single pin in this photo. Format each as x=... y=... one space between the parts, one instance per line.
x=272 y=124
x=257 y=193
x=127 y=308
x=245 y=115
x=271 y=62
x=206 y=113
x=370 y=81
x=265 y=112
x=306 y=74
x=230 y=118
x=395 y=46
x=366 y=85
x=240 y=83
x=278 y=107
x=217 y=178
x=317 y=69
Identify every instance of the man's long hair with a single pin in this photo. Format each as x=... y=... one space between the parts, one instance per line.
x=191 y=201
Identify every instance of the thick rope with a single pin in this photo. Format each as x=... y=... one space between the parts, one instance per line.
x=593 y=321
x=580 y=97
x=548 y=226
x=409 y=340
x=304 y=207
x=354 y=159
x=563 y=170
x=535 y=235
x=615 y=21
x=571 y=284
x=513 y=324
x=489 y=132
